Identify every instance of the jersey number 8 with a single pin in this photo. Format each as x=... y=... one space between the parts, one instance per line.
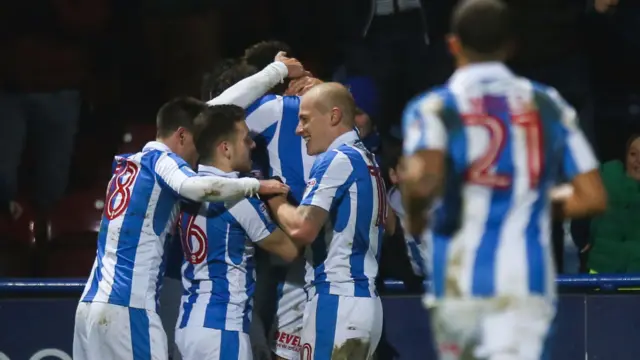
x=119 y=189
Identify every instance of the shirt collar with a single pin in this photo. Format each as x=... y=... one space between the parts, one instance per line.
x=212 y=170
x=346 y=138
x=478 y=72
x=156 y=145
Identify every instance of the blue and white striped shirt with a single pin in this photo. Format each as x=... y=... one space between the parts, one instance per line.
x=218 y=274
x=346 y=182
x=140 y=211
x=273 y=120
x=507 y=141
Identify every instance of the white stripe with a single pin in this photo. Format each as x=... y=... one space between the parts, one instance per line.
x=149 y=254
x=475 y=211
x=266 y=115
x=274 y=153
x=511 y=254
x=337 y=266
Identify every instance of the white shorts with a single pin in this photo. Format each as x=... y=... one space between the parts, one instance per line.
x=342 y=327
x=287 y=325
x=494 y=329
x=199 y=343
x=112 y=332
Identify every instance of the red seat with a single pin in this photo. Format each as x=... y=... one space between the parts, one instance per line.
x=135 y=137
x=70 y=261
x=77 y=217
x=73 y=231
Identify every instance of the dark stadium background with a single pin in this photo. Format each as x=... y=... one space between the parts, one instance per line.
x=125 y=58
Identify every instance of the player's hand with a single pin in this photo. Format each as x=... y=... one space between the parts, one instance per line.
x=602 y=6
x=301 y=85
x=294 y=67
x=272 y=187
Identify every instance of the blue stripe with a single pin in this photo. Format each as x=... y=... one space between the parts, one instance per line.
x=258 y=103
x=229 y=345
x=140 y=339
x=365 y=194
x=216 y=313
x=417 y=257
x=258 y=205
x=319 y=247
x=326 y=319
x=131 y=231
x=550 y=117
x=439 y=255
x=250 y=290
x=289 y=147
x=187 y=306
x=484 y=268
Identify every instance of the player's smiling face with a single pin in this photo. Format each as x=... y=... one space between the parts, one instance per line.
x=313 y=125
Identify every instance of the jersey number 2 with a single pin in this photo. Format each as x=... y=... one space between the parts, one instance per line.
x=480 y=170
x=119 y=189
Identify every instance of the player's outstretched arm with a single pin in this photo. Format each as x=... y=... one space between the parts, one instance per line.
x=214 y=188
x=175 y=174
x=246 y=91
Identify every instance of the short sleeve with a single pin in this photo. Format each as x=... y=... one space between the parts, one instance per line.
x=171 y=171
x=329 y=174
x=577 y=155
x=252 y=215
x=422 y=125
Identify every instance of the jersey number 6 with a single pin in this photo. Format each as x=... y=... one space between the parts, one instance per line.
x=193 y=238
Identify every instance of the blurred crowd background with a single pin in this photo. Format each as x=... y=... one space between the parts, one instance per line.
x=81 y=80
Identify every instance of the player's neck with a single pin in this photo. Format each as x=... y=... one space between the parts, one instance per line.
x=223 y=166
x=172 y=145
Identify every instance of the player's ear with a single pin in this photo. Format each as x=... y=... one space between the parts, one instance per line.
x=453 y=43
x=181 y=135
x=336 y=116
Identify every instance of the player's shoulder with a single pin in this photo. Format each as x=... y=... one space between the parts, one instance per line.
x=545 y=93
x=336 y=162
x=431 y=96
x=266 y=100
x=549 y=100
x=438 y=101
x=248 y=208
